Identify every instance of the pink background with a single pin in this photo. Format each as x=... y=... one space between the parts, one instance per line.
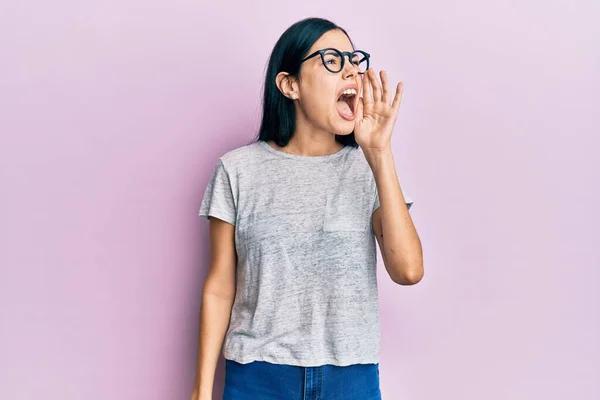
x=113 y=114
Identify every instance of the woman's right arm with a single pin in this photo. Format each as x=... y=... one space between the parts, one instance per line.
x=218 y=295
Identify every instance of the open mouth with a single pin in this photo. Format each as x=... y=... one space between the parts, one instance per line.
x=346 y=103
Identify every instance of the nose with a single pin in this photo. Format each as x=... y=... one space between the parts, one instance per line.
x=350 y=70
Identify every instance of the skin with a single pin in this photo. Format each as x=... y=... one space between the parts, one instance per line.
x=218 y=294
x=315 y=93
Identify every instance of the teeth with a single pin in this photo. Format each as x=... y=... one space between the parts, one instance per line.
x=349 y=92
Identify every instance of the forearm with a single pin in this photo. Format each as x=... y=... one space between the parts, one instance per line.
x=215 y=314
x=401 y=242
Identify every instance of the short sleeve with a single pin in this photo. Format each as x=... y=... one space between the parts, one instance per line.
x=218 y=200
x=407 y=199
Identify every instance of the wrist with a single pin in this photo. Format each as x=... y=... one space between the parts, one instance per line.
x=378 y=158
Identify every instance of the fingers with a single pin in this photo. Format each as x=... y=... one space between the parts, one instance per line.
x=398 y=96
x=386 y=87
x=375 y=85
x=359 y=111
x=373 y=92
x=367 y=89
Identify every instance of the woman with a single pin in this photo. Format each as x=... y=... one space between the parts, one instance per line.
x=292 y=289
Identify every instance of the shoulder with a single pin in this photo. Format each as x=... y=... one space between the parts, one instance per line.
x=357 y=162
x=240 y=157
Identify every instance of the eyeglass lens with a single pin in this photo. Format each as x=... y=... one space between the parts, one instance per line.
x=333 y=61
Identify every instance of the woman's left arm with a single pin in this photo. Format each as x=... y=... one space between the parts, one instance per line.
x=397 y=237
x=393 y=226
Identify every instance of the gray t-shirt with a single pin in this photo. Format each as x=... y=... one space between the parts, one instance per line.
x=306 y=287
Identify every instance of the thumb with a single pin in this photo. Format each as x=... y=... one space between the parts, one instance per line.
x=359 y=110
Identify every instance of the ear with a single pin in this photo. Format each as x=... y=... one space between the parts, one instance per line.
x=287 y=85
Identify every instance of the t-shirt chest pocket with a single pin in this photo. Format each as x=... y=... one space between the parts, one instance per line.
x=349 y=207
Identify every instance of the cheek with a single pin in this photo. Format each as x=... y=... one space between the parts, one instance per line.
x=323 y=92
x=320 y=91
x=317 y=105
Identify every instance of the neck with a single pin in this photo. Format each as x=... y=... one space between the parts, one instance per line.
x=310 y=141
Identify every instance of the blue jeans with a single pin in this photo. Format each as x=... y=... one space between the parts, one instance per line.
x=260 y=380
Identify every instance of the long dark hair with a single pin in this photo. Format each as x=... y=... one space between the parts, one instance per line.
x=279 y=115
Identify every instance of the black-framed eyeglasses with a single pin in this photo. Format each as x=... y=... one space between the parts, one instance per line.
x=334 y=60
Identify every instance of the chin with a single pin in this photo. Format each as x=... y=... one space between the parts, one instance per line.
x=345 y=132
x=344 y=129
x=341 y=127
